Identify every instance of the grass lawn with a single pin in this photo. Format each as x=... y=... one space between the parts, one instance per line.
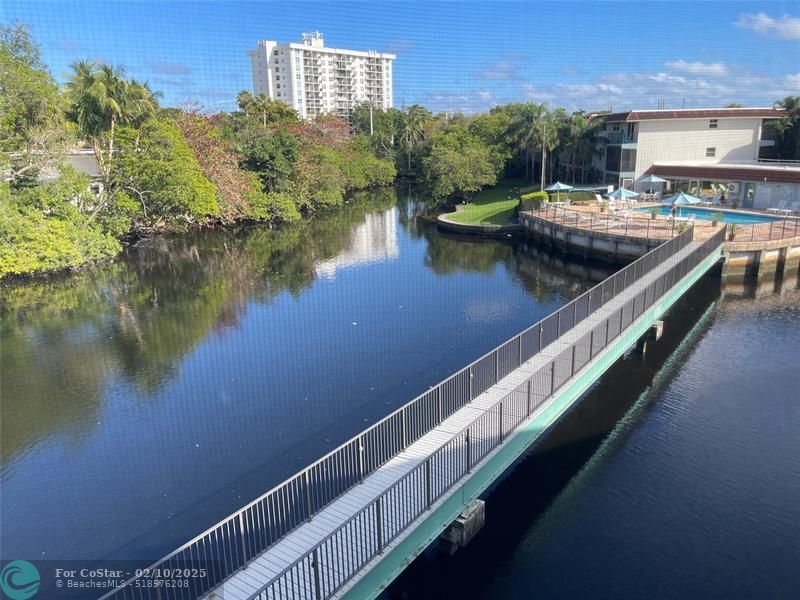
x=491 y=206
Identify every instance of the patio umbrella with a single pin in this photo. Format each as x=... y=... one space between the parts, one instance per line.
x=622 y=194
x=558 y=187
x=682 y=198
x=651 y=179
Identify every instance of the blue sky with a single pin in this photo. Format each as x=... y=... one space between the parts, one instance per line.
x=450 y=55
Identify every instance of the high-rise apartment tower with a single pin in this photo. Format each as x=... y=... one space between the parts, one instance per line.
x=314 y=79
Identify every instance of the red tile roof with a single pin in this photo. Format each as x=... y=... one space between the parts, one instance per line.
x=728 y=172
x=704 y=113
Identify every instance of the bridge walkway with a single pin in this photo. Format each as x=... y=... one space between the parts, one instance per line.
x=322 y=557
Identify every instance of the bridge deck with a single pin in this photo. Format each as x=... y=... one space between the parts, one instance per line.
x=298 y=543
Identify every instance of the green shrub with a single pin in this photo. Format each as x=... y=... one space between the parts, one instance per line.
x=533 y=200
x=31 y=242
x=275 y=207
x=581 y=196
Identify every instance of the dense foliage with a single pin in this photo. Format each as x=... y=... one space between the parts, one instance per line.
x=158 y=169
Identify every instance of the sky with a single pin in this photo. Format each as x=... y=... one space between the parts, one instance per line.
x=454 y=56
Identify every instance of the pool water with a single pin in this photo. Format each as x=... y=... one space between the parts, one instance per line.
x=708 y=215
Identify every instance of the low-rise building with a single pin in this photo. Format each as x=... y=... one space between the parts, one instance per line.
x=715 y=150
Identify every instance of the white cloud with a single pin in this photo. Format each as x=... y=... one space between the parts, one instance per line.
x=698 y=68
x=786 y=27
x=502 y=71
x=793 y=81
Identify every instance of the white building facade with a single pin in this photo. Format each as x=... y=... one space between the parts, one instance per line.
x=698 y=149
x=316 y=80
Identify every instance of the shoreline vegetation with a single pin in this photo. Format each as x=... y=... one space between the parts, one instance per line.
x=173 y=169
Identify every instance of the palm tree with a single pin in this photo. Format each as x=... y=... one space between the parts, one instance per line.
x=788 y=128
x=580 y=141
x=413 y=128
x=523 y=130
x=546 y=132
x=102 y=100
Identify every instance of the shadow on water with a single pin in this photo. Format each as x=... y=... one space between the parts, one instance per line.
x=611 y=408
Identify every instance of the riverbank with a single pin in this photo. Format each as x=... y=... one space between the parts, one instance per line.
x=35 y=247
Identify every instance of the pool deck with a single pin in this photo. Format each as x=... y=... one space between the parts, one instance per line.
x=626 y=233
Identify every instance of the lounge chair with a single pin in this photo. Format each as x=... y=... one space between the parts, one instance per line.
x=599 y=198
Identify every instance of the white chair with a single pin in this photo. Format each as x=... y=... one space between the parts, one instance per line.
x=599 y=198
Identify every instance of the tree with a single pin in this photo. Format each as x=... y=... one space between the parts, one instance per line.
x=457 y=165
x=101 y=101
x=546 y=135
x=272 y=154
x=158 y=180
x=413 y=128
x=579 y=143
x=525 y=132
x=267 y=111
x=787 y=129
x=381 y=126
x=33 y=133
x=220 y=163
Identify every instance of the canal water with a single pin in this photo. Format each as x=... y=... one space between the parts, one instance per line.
x=677 y=476
x=146 y=399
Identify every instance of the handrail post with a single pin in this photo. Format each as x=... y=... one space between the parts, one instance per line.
x=439 y=405
x=496 y=366
x=403 y=420
x=315 y=568
x=608 y=321
x=528 y=406
x=572 y=371
x=541 y=335
x=244 y=544
x=428 y=492
x=500 y=405
x=308 y=494
x=379 y=524
x=361 y=459
x=469 y=457
x=553 y=377
x=470 y=383
x=591 y=344
x=519 y=350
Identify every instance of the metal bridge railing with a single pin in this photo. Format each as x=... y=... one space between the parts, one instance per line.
x=232 y=543
x=321 y=572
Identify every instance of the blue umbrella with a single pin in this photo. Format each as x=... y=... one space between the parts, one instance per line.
x=682 y=198
x=622 y=193
x=651 y=179
x=558 y=187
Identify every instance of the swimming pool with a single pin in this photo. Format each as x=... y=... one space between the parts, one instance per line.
x=708 y=215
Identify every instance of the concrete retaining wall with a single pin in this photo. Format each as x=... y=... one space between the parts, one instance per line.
x=757 y=258
x=612 y=247
x=486 y=230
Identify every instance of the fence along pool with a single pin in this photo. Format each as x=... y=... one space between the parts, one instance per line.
x=233 y=542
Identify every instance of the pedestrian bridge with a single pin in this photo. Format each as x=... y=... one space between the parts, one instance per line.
x=348 y=524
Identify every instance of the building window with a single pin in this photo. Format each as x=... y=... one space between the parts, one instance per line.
x=713 y=123
x=711 y=152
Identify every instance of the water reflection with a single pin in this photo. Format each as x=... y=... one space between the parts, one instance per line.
x=145 y=399
x=668 y=458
